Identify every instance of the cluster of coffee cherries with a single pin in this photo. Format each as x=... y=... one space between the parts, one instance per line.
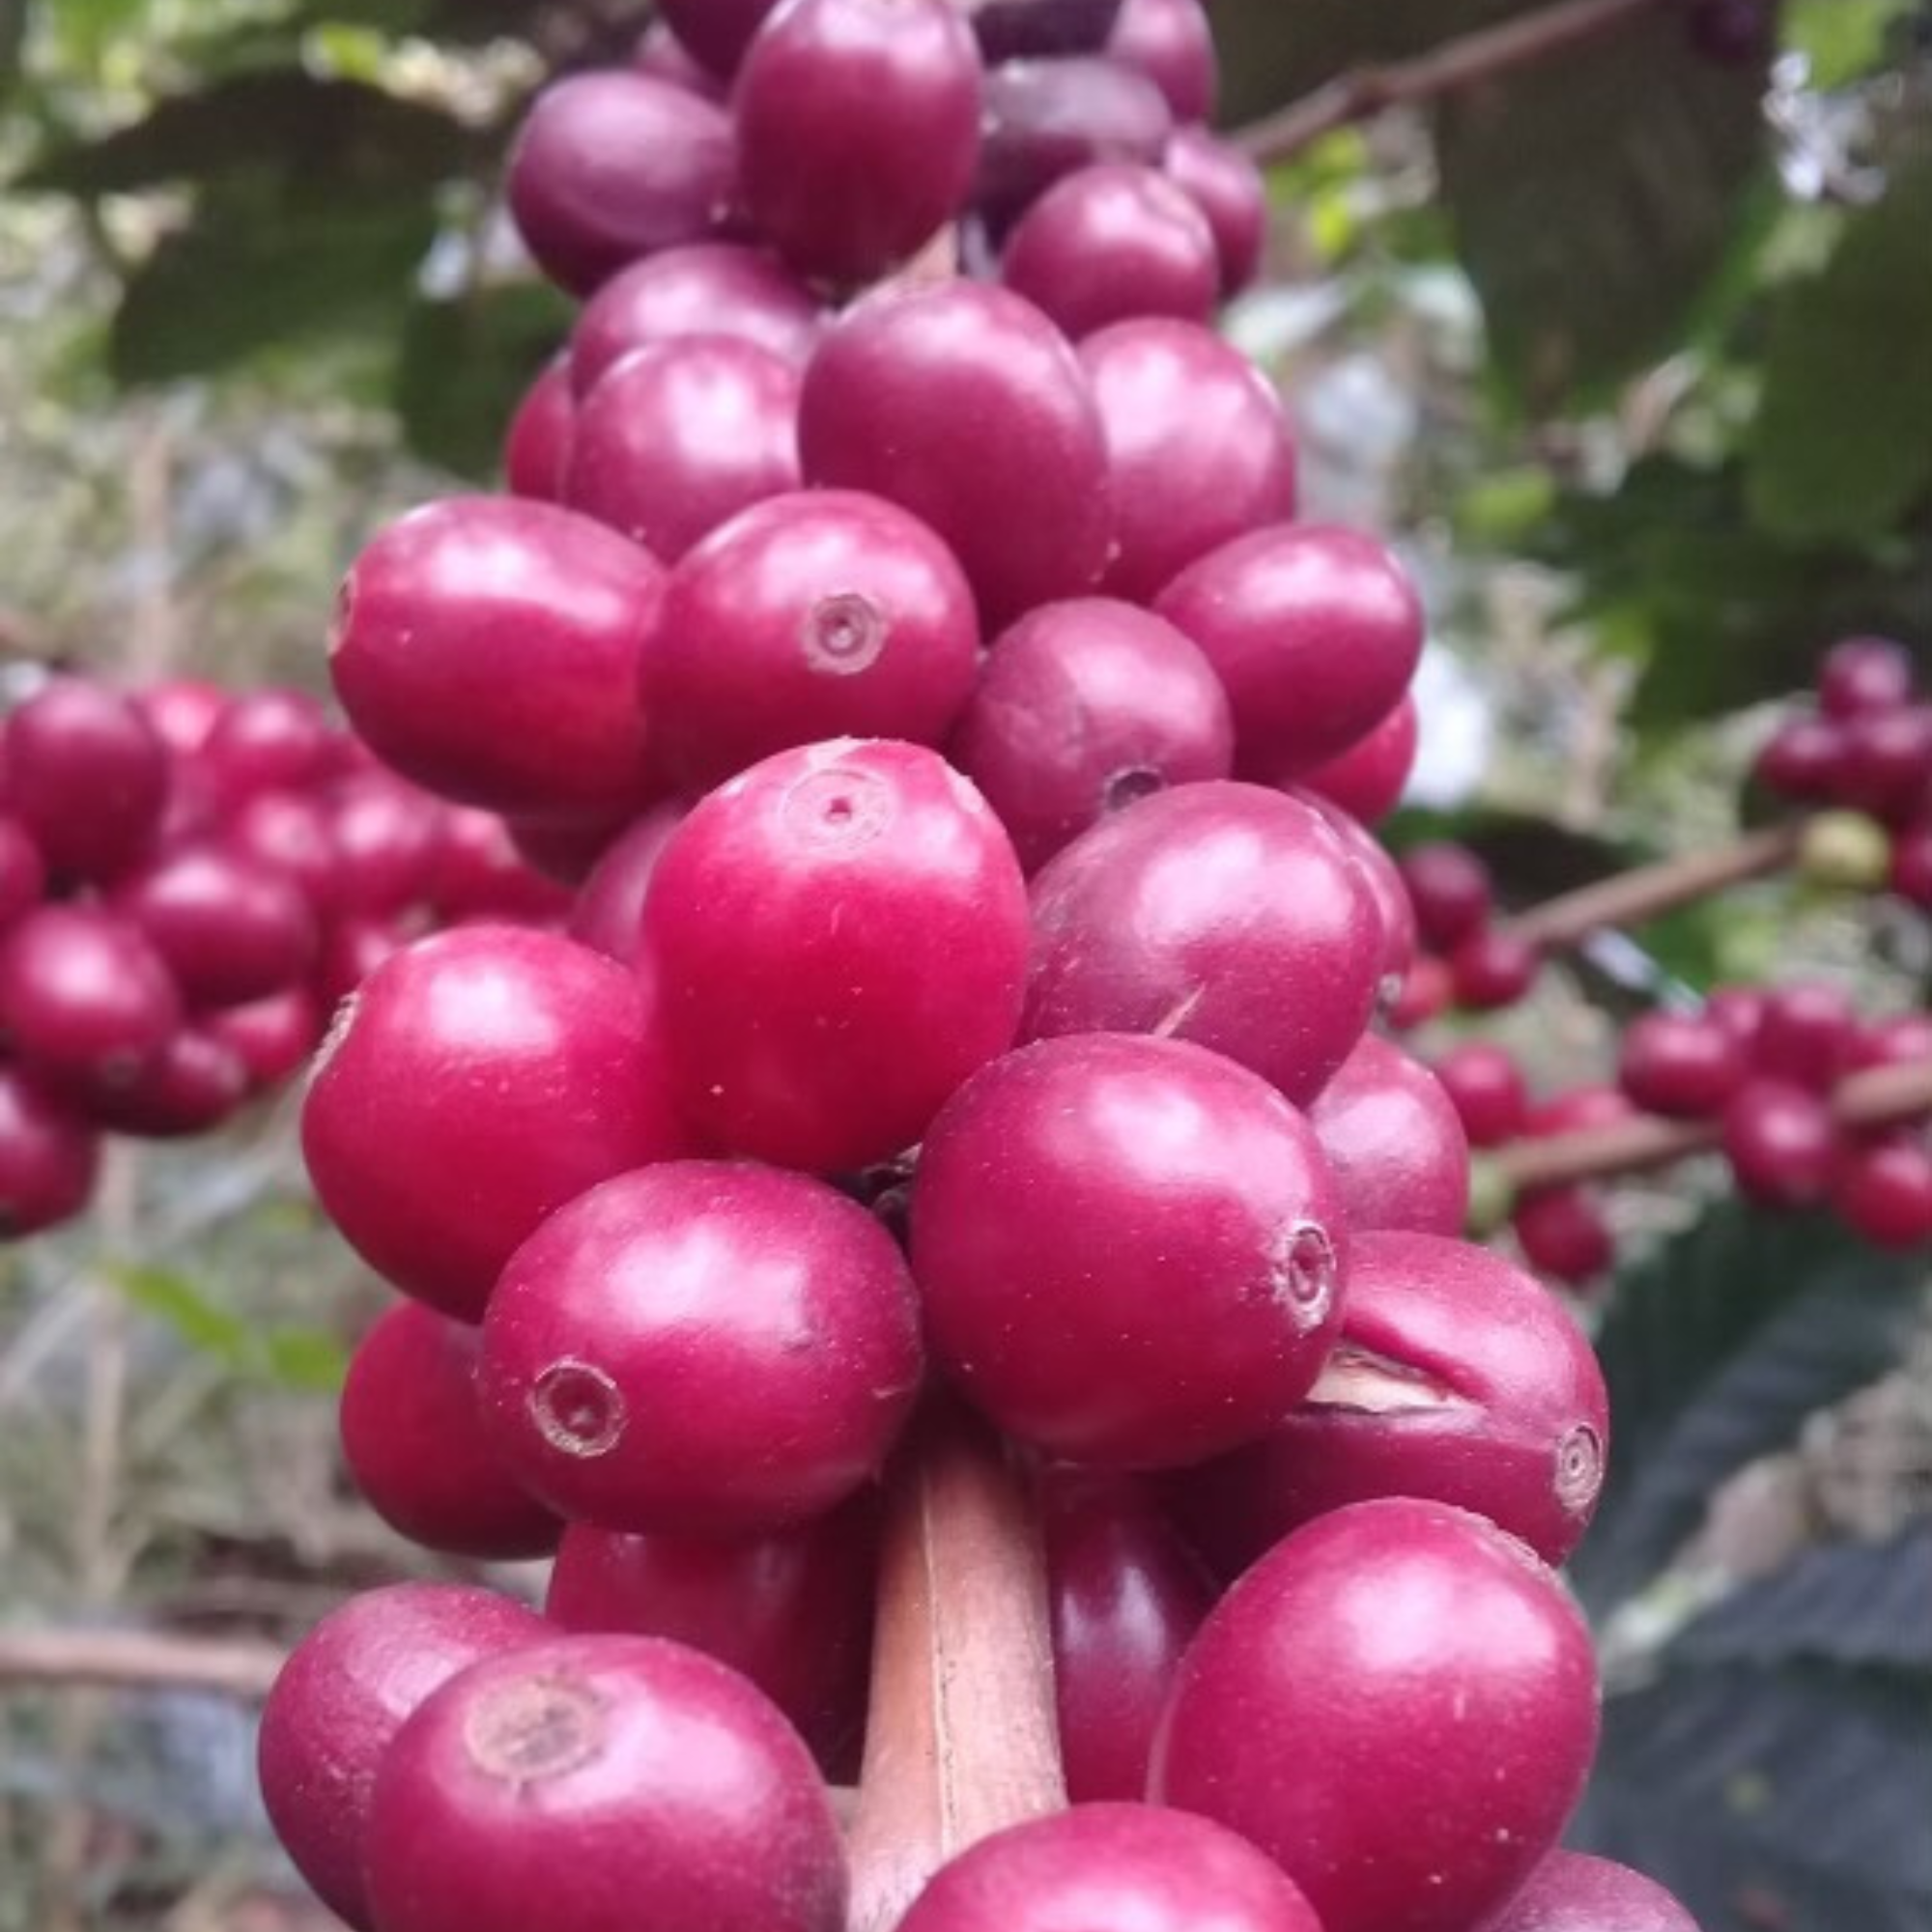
x=189 y=879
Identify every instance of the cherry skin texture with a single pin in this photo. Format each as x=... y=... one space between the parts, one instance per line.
x=791 y=1610
x=702 y=1348
x=87 y=775
x=1884 y=1193
x=1223 y=914
x=538 y=443
x=1229 y=191
x=1395 y=1143
x=566 y=1784
x=414 y=1439
x=1314 y=630
x=339 y=1702
x=607 y=914
x=1457 y=1380
x=1172 y=44
x=1127 y=1595
x=229 y=928
x=1572 y=1892
x=682 y=435
x=1861 y=675
x=48 y=1157
x=839 y=939
x=1083 y=707
x=1125 y=1867
x=1368 y=780
x=1398 y=1704
x=1129 y=1251
x=488 y=649
x=84 y=994
x=1486 y=1087
x=857 y=130
x=481 y=1079
x=824 y=613
x=964 y=405
x=1563 y=1235
x=610 y=166
x=1198 y=449
x=1781 y=1144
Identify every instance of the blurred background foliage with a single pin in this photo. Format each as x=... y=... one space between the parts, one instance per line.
x=1631 y=351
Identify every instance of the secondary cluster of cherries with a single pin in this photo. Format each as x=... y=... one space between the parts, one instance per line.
x=188 y=882
x=967 y=1011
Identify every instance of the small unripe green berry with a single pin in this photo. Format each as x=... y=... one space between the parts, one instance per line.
x=1846 y=851
x=1491 y=1197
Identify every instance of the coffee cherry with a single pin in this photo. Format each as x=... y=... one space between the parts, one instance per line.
x=1888 y=762
x=269 y=741
x=478 y=874
x=1112 y=1866
x=1427 y=992
x=1084 y=707
x=1368 y=780
x=352 y=947
x=608 y=913
x=563 y=1784
x=1806 y=761
x=564 y=853
x=642 y=1362
x=1378 y=873
x=1781 y=1144
x=717 y=31
x=1570 y=1892
x=1844 y=851
x=1230 y=191
x=1486 y=1087
x=1451 y=890
x=538 y=442
x=610 y=166
x=1129 y=1251
x=272 y=1038
x=1395 y=1141
x=291 y=833
x=1804 y=1034
x=1884 y=1192
x=1494 y=968
x=1901 y=1040
x=1223 y=914
x=84 y=995
x=87 y=777
x=1563 y=1235
x=192 y=1084
x=1398 y=1705
x=1909 y=870
x=183 y=710
x=1865 y=675
x=388 y=837
x=340 y=1700
x=659 y=52
x=48 y=1157
x=23 y=872
x=1682 y=1066
x=1012 y=29
x=1172 y=44
x=229 y=928
x=1738 y=1010
x=1580 y=1108
x=1732 y=33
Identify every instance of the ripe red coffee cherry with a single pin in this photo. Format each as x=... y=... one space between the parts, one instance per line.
x=1367 y=781
x=1114 y=1865
x=791 y=1610
x=1378 y=873
x=538 y=443
x=1314 y=630
x=1395 y=1143
x=840 y=936
x=229 y=928
x=87 y=776
x=717 y=31
x=610 y=166
x=339 y=1702
x=48 y=1157
x=1486 y=1087
x=1781 y=1143
x=272 y=1038
x=352 y=949
x=1111 y=243
x=1804 y=1034
x=1909 y=873
x=273 y=740
x=1229 y=191
x=857 y=130
x=608 y=913
x=1861 y=675
x=481 y=1079
x=711 y=288
x=414 y=1439
x=479 y=874
x=1130 y=1252
x=1425 y=993
x=642 y=1365
x=824 y=613
x=1451 y=890
x=183 y=710
x=1577 y=1108
x=1012 y=29
x=659 y=52
x=1570 y=1892
x=1884 y=1192
x=564 y=854
x=1399 y=1705
x=1223 y=914
x=489 y=648
x=1494 y=968
x=194 y=1082
x=291 y=833
x=23 y=872
x=84 y=994
x=964 y=405
x=1685 y=1066
x=1563 y=1235
x=1172 y=44
x=1083 y=707
x=1805 y=760
x=1888 y=764
x=1899 y=1040
x=682 y=435
x=1127 y=1595
x=1458 y=1378
x=1199 y=448
x=562 y=1786
x=388 y=837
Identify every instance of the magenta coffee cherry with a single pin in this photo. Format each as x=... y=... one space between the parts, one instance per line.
x=659 y=52
x=1229 y=191
x=964 y=405
x=389 y=838
x=414 y=1442
x=1083 y=707
x=1130 y=1251
x=87 y=776
x=710 y=288
x=565 y=854
x=1457 y=1379
x=1112 y=1866
x=1227 y=915
x=1888 y=764
x=481 y=1079
x=1368 y=780
x=680 y=436
x=840 y=936
x=608 y=913
x=1425 y=994
x=229 y=928
x=274 y=740
x=352 y=949
x=1684 y=1065
x=1804 y=1035
x=610 y=166
x=1395 y=1143
x=1111 y=243
x=538 y=443
x=183 y=710
x=1172 y=44
x=857 y=130
x=1451 y=890
x=1013 y=29
x=717 y=31
x=1378 y=873
x=1199 y=448
x=1577 y=1109
x=23 y=872
x=1399 y=1705
x=1899 y=1040
x=273 y=1037
x=1884 y=1192
x=1127 y=1595
x=563 y=1785
x=824 y=613
x=489 y=648
x=479 y=874
x=1314 y=630
x=1805 y=760
x=84 y=994
x=1909 y=873
x=339 y=1702
x=791 y=1610
x=49 y=1156
x=191 y=1084
x=1563 y=1233
x=1781 y=1143
x=290 y=832
x=1486 y=1087
x=642 y=1366
x=1865 y=675
x=1572 y=1892
x=1494 y=968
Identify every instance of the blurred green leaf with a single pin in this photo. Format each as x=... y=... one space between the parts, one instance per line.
x=1842 y=39
x=305 y=1359
x=174 y=1299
